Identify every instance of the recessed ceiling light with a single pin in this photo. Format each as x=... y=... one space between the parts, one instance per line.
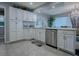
x=31 y=3
x=53 y=6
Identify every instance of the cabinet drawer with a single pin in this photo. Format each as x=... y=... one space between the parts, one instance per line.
x=69 y=32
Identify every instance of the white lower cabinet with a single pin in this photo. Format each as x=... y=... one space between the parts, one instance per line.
x=12 y=30
x=12 y=36
x=26 y=34
x=29 y=33
x=40 y=34
x=60 y=39
x=69 y=43
x=66 y=40
x=19 y=35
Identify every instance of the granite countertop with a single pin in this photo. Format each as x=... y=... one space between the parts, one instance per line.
x=53 y=28
x=63 y=28
x=58 y=28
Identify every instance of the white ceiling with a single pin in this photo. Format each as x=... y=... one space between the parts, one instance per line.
x=52 y=8
x=59 y=8
x=28 y=4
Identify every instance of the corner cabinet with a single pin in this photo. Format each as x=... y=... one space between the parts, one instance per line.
x=66 y=40
x=29 y=33
x=40 y=34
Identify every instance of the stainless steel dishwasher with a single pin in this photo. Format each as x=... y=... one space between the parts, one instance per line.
x=51 y=37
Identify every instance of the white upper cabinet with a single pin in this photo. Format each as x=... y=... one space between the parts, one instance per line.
x=12 y=13
x=25 y=17
x=31 y=16
x=20 y=14
x=15 y=13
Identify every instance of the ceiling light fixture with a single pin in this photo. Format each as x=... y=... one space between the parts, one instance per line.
x=53 y=6
x=31 y=3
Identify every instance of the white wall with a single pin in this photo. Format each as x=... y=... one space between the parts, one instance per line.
x=57 y=10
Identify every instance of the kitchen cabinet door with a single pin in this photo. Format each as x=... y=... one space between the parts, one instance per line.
x=20 y=14
x=19 y=29
x=25 y=17
x=30 y=16
x=42 y=35
x=29 y=33
x=12 y=36
x=19 y=25
x=36 y=34
x=60 y=39
x=12 y=30
x=20 y=35
x=12 y=13
x=26 y=34
x=32 y=33
x=12 y=25
x=69 y=42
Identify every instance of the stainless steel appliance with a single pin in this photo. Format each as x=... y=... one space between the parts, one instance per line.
x=51 y=37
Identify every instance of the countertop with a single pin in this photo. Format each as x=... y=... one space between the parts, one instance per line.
x=53 y=28
x=63 y=28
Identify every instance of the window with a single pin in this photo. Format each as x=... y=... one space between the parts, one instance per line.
x=62 y=21
x=1 y=20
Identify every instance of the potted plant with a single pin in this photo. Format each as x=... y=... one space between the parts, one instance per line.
x=51 y=20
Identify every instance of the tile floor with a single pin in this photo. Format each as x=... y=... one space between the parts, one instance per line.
x=26 y=48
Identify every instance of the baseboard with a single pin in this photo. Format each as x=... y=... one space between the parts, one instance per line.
x=10 y=42
x=51 y=46
x=67 y=51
